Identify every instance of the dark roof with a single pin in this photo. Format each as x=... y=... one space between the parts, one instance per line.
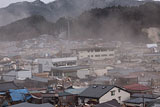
x=149 y=96
x=96 y=91
x=32 y=105
x=5 y=86
x=138 y=100
x=112 y=103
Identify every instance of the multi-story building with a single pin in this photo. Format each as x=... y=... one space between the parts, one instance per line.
x=96 y=53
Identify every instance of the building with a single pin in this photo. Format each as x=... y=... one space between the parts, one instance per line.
x=20 y=74
x=70 y=96
x=138 y=88
x=102 y=93
x=137 y=102
x=96 y=53
x=46 y=64
x=5 y=86
x=64 y=62
x=68 y=71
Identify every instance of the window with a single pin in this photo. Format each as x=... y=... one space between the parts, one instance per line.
x=103 y=55
x=111 y=54
x=112 y=93
x=119 y=98
x=119 y=90
x=97 y=55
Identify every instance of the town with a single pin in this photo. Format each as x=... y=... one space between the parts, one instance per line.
x=53 y=72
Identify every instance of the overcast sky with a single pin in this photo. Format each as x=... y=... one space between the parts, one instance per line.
x=4 y=3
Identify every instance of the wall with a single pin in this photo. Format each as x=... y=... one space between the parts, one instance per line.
x=21 y=75
x=107 y=97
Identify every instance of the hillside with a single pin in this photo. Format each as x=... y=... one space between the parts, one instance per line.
x=56 y=9
x=26 y=28
x=114 y=23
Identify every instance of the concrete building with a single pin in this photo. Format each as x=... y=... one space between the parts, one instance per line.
x=73 y=71
x=45 y=64
x=96 y=53
x=17 y=75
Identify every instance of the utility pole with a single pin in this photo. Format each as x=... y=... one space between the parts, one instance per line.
x=68 y=29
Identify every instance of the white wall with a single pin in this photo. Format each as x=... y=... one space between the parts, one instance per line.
x=22 y=75
x=82 y=73
x=107 y=97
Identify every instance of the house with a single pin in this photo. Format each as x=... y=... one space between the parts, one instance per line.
x=95 y=53
x=137 y=102
x=112 y=103
x=5 y=86
x=18 y=95
x=70 y=96
x=49 y=98
x=102 y=93
x=138 y=88
x=139 y=99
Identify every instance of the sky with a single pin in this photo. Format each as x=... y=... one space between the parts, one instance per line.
x=4 y=3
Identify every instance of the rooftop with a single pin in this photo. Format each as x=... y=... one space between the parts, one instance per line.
x=5 y=86
x=136 y=87
x=149 y=96
x=96 y=91
x=32 y=105
x=139 y=100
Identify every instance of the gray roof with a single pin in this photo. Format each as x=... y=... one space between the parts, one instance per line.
x=75 y=91
x=112 y=103
x=5 y=86
x=32 y=105
x=96 y=91
x=139 y=100
x=149 y=96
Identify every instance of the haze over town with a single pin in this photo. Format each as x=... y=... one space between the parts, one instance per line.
x=80 y=53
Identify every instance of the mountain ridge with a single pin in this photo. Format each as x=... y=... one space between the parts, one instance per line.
x=56 y=9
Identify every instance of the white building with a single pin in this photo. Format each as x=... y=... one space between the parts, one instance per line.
x=23 y=74
x=46 y=64
x=17 y=75
x=103 y=93
x=97 y=53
